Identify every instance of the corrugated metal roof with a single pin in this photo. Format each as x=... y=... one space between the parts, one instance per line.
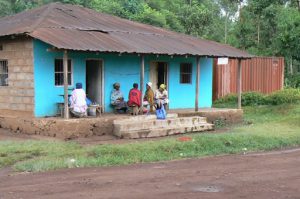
x=76 y=28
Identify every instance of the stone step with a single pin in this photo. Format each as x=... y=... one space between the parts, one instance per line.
x=154 y=132
x=142 y=118
x=148 y=123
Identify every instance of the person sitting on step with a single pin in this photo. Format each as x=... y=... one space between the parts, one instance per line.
x=117 y=99
x=149 y=97
x=161 y=96
x=78 y=106
x=134 y=99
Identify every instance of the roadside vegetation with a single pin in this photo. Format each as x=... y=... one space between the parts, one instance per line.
x=266 y=127
x=286 y=96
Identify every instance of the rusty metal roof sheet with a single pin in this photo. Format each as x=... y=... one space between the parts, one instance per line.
x=76 y=28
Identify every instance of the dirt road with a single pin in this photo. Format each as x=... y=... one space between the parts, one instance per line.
x=263 y=175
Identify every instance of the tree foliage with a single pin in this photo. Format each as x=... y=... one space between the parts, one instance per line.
x=262 y=27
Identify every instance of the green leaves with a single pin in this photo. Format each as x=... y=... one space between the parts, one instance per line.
x=262 y=27
x=287 y=41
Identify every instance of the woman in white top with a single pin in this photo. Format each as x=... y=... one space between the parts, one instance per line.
x=78 y=101
x=161 y=96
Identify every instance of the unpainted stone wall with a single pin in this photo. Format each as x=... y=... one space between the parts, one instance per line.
x=19 y=94
x=58 y=127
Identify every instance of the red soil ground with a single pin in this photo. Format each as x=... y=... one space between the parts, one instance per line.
x=261 y=175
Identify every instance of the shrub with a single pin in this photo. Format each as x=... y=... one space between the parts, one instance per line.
x=248 y=99
x=292 y=81
x=219 y=123
x=253 y=99
x=286 y=96
x=231 y=98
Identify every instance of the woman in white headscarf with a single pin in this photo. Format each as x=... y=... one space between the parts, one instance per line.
x=78 y=104
x=149 y=96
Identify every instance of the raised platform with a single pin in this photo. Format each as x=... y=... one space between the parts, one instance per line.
x=21 y=122
x=149 y=126
x=228 y=116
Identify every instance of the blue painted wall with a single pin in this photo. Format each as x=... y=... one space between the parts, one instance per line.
x=206 y=83
x=183 y=95
x=46 y=93
x=123 y=69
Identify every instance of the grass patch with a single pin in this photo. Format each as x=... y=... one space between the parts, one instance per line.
x=268 y=128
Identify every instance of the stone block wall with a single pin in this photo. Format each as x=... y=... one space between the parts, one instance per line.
x=58 y=127
x=19 y=94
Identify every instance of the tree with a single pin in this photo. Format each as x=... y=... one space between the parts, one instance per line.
x=229 y=8
x=287 y=41
x=195 y=19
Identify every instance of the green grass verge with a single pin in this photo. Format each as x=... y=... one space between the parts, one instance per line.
x=266 y=128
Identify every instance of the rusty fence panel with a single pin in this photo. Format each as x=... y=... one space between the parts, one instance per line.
x=261 y=74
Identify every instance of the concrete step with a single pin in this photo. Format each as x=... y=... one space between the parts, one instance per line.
x=150 y=133
x=151 y=127
x=131 y=125
x=143 y=118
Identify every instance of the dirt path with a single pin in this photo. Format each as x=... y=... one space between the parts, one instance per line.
x=264 y=175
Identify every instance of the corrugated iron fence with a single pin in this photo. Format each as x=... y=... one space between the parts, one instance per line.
x=262 y=74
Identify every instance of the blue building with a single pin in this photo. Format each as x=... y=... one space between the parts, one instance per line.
x=101 y=50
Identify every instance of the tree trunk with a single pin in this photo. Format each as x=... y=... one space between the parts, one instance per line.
x=291 y=66
x=258 y=33
x=226 y=27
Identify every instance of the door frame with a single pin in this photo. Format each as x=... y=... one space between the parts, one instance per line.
x=102 y=79
x=167 y=76
x=167 y=71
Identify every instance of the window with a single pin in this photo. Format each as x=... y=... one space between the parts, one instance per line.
x=1 y=47
x=3 y=73
x=59 y=72
x=186 y=73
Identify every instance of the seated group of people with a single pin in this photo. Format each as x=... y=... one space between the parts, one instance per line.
x=79 y=102
x=152 y=100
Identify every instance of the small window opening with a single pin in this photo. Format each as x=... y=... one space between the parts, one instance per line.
x=59 y=72
x=185 y=73
x=3 y=73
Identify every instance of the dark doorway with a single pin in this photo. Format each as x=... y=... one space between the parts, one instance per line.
x=94 y=80
x=161 y=73
x=158 y=74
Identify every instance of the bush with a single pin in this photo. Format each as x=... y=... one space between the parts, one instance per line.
x=253 y=99
x=286 y=96
x=248 y=99
x=231 y=98
x=292 y=81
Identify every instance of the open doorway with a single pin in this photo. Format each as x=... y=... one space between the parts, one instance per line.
x=158 y=74
x=94 y=80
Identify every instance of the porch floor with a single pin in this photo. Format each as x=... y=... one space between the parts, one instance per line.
x=24 y=122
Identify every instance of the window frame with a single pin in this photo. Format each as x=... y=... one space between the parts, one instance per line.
x=181 y=73
x=63 y=72
x=5 y=61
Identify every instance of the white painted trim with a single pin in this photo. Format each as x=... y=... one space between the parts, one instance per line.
x=167 y=76
x=72 y=73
